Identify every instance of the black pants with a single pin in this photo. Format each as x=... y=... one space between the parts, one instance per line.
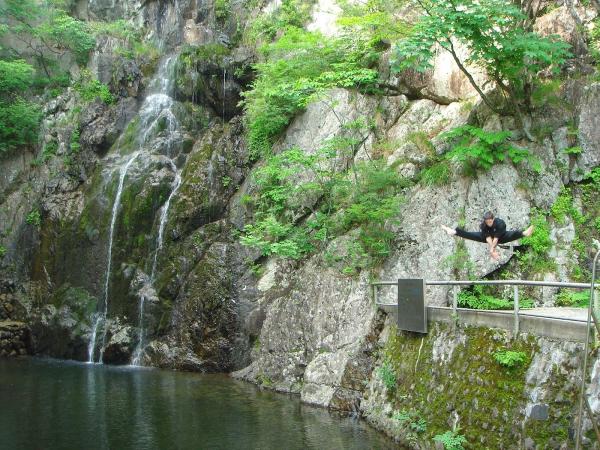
x=478 y=235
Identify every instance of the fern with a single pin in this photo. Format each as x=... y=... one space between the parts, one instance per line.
x=477 y=149
x=510 y=359
x=451 y=440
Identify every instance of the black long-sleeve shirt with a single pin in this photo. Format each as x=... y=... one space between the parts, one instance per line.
x=497 y=229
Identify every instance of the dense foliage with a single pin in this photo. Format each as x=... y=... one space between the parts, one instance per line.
x=573 y=299
x=478 y=298
x=19 y=118
x=298 y=67
x=305 y=199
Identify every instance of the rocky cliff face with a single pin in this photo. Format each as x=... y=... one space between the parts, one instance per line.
x=183 y=293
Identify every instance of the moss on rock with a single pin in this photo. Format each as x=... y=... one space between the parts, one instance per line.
x=450 y=376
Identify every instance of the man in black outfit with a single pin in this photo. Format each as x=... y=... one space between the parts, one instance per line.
x=493 y=232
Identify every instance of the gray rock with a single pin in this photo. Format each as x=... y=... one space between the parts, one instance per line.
x=589 y=132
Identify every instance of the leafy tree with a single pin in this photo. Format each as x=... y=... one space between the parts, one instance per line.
x=46 y=31
x=15 y=77
x=19 y=124
x=377 y=21
x=498 y=38
x=67 y=33
x=19 y=119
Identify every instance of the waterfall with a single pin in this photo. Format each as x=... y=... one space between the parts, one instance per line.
x=159 y=243
x=156 y=116
x=101 y=316
x=224 y=81
x=157 y=107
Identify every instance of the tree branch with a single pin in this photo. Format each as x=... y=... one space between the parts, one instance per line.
x=464 y=70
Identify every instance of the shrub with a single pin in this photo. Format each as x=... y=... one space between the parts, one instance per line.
x=594 y=177
x=573 y=150
x=19 y=119
x=451 y=440
x=478 y=149
x=415 y=423
x=15 y=77
x=436 y=175
x=510 y=359
x=120 y=29
x=293 y=185
x=539 y=241
x=222 y=9
x=90 y=88
x=476 y=298
x=387 y=375
x=595 y=40
x=74 y=144
x=580 y=299
x=563 y=208
x=536 y=259
x=34 y=218
x=377 y=20
x=19 y=124
x=2 y=251
x=50 y=150
x=291 y=13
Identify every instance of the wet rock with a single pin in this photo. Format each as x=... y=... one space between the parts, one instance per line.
x=15 y=339
x=119 y=343
x=62 y=328
x=101 y=124
x=214 y=77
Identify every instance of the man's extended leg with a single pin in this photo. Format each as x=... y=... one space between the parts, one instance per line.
x=471 y=235
x=510 y=236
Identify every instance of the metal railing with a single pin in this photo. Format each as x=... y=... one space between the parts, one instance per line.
x=582 y=398
x=515 y=283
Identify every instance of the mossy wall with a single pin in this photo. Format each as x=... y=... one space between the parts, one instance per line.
x=450 y=378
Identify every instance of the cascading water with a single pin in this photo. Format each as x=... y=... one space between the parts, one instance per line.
x=156 y=117
x=101 y=316
x=224 y=82
x=137 y=355
x=158 y=107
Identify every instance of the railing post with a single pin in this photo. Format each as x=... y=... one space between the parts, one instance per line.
x=454 y=300
x=516 y=308
x=585 y=355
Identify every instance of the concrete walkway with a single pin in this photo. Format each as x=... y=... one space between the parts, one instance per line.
x=559 y=312
x=559 y=322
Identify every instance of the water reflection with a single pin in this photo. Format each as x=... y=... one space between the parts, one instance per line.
x=50 y=404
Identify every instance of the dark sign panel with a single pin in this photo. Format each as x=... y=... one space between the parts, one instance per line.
x=412 y=312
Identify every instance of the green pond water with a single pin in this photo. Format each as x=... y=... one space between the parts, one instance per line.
x=51 y=404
